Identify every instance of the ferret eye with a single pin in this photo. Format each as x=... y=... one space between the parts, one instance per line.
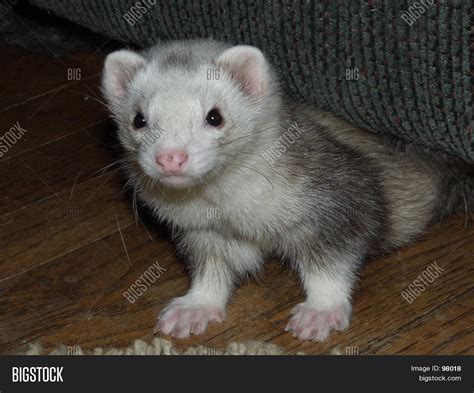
x=214 y=118
x=139 y=121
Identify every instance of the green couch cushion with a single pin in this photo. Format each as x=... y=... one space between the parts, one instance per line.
x=360 y=59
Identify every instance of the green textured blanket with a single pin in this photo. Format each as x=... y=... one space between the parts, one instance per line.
x=398 y=67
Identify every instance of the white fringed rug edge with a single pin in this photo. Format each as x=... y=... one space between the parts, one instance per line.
x=161 y=346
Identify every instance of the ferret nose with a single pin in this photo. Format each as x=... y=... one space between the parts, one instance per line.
x=172 y=160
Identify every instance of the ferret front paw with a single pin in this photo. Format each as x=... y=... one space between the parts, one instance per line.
x=183 y=317
x=311 y=323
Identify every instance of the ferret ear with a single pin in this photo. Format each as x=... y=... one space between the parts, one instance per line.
x=119 y=68
x=247 y=66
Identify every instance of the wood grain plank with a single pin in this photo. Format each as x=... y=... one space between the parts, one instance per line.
x=35 y=175
x=27 y=76
x=60 y=223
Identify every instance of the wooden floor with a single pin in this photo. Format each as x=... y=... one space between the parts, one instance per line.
x=70 y=244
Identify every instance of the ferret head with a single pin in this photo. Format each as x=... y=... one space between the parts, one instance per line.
x=187 y=109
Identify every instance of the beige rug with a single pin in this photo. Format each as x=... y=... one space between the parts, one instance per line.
x=161 y=346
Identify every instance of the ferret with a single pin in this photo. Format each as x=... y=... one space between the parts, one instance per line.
x=241 y=173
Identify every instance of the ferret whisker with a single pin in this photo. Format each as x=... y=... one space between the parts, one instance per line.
x=103 y=169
